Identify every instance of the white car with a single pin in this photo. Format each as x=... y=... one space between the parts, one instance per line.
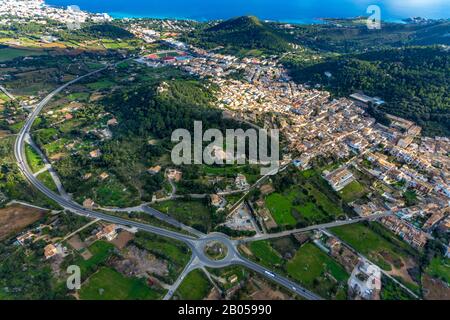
x=270 y=274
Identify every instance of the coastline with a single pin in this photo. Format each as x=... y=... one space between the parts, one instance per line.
x=305 y=21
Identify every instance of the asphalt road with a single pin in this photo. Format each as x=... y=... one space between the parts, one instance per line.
x=315 y=227
x=9 y=95
x=288 y=284
x=196 y=245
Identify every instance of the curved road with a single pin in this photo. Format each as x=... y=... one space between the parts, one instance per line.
x=196 y=245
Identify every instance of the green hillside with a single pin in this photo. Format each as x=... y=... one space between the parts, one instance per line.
x=108 y=31
x=352 y=36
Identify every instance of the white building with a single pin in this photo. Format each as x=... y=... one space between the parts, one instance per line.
x=365 y=281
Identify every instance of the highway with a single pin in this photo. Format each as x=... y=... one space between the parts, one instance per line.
x=288 y=284
x=196 y=245
x=9 y=95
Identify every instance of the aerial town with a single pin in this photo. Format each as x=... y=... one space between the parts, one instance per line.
x=37 y=11
x=341 y=129
x=357 y=209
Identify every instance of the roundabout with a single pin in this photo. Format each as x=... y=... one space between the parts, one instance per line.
x=215 y=250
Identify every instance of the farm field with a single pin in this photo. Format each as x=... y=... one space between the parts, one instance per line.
x=194 y=213
x=194 y=287
x=33 y=159
x=308 y=265
x=439 y=268
x=304 y=198
x=113 y=193
x=252 y=285
x=100 y=85
x=295 y=206
x=7 y=54
x=3 y=98
x=266 y=254
x=281 y=208
x=318 y=272
x=108 y=284
x=352 y=192
x=12 y=185
x=14 y=218
x=100 y=251
x=368 y=242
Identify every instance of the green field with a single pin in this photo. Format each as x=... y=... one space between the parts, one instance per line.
x=386 y=254
x=47 y=180
x=303 y=199
x=78 y=96
x=440 y=268
x=317 y=271
x=101 y=251
x=352 y=192
x=112 y=192
x=12 y=53
x=281 y=207
x=251 y=172
x=3 y=97
x=294 y=206
x=100 y=85
x=309 y=266
x=266 y=254
x=195 y=286
x=55 y=146
x=33 y=159
x=108 y=284
x=193 y=213
x=390 y=290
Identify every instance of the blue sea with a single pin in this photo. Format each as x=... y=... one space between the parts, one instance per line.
x=290 y=11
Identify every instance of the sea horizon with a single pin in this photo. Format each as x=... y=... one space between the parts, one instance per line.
x=125 y=15
x=286 y=11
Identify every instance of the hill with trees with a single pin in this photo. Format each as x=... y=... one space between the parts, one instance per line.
x=108 y=31
x=352 y=35
x=239 y=33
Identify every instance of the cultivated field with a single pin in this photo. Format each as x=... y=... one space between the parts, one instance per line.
x=16 y=217
x=108 y=284
x=195 y=286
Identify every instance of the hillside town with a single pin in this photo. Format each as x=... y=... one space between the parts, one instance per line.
x=341 y=130
x=39 y=12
